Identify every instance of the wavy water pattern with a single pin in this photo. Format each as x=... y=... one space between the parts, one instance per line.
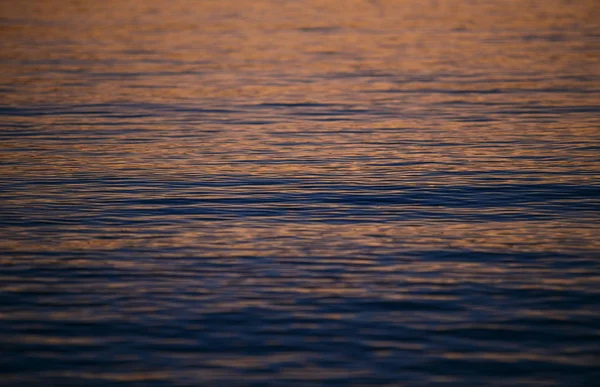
x=293 y=193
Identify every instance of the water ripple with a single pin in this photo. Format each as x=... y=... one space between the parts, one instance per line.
x=299 y=193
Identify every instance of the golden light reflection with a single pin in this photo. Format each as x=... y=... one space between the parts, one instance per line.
x=218 y=157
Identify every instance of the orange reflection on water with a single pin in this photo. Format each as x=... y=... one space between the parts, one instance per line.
x=430 y=166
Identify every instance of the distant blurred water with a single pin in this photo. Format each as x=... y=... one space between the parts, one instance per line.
x=296 y=193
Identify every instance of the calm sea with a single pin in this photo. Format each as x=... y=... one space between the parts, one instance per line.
x=299 y=193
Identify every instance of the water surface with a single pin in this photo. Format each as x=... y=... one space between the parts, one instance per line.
x=299 y=193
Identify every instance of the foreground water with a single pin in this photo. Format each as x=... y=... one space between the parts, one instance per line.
x=299 y=193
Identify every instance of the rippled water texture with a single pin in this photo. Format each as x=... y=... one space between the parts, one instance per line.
x=294 y=193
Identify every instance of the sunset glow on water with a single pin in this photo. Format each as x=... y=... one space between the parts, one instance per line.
x=298 y=193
